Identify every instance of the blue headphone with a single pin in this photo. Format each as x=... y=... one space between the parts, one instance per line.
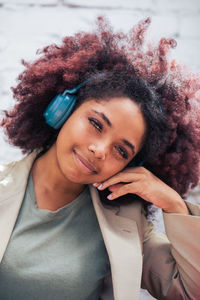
x=61 y=106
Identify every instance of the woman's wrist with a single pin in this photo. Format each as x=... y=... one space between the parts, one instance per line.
x=179 y=208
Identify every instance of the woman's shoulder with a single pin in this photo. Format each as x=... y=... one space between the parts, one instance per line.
x=14 y=176
x=14 y=166
x=5 y=169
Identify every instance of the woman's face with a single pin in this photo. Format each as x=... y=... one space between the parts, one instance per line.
x=99 y=139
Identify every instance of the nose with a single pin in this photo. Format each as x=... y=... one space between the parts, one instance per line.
x=99 y=150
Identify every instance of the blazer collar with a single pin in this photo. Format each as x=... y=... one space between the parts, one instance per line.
x=13 y=180
x=122 y=241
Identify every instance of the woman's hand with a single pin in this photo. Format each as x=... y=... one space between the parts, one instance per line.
x=140 y=181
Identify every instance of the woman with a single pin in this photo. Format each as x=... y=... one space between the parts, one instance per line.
x=74 y=210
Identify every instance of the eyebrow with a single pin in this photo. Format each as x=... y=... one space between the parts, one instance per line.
x=129 y=145
x=103 y=116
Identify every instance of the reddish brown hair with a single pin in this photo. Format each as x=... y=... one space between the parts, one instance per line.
x=80 y=56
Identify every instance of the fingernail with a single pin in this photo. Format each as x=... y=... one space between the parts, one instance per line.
x=109 y=196
x=100 y=186
x=95 y=184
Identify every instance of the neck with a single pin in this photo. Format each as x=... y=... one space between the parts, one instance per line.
x=50 y=183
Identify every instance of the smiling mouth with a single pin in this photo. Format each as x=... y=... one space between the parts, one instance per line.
x=84 y=164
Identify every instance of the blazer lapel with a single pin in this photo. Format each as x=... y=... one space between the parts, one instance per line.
x=12 y=189
x=123 y=246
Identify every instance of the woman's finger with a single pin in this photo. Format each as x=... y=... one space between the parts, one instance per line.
x=115 y=187
x=123 y=190
x=119 y=178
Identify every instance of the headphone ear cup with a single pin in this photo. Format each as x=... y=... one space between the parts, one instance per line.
x=59 y=109
x=61 y=106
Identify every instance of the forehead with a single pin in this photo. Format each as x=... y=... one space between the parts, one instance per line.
x=125 y=116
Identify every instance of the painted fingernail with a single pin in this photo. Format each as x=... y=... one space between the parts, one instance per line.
x=95 y=184
x=109 y=196
x=100 y=186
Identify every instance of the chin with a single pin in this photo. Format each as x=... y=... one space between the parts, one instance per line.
x=78 y=178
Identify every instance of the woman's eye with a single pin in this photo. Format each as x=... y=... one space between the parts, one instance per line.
x=122 y=152
x=96 y=124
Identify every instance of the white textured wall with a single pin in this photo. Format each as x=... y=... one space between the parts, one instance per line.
x=26 y=25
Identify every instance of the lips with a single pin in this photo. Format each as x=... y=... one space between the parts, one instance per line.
x=84 y=163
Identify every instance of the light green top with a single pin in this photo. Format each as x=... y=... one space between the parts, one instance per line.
x=54 y=255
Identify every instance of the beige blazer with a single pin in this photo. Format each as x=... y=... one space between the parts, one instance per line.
x=168 y=267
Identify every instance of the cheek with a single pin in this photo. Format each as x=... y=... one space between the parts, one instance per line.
x=80 y=126
x=75 y=131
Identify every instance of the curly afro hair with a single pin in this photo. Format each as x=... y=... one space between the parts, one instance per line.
x=166 y=92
